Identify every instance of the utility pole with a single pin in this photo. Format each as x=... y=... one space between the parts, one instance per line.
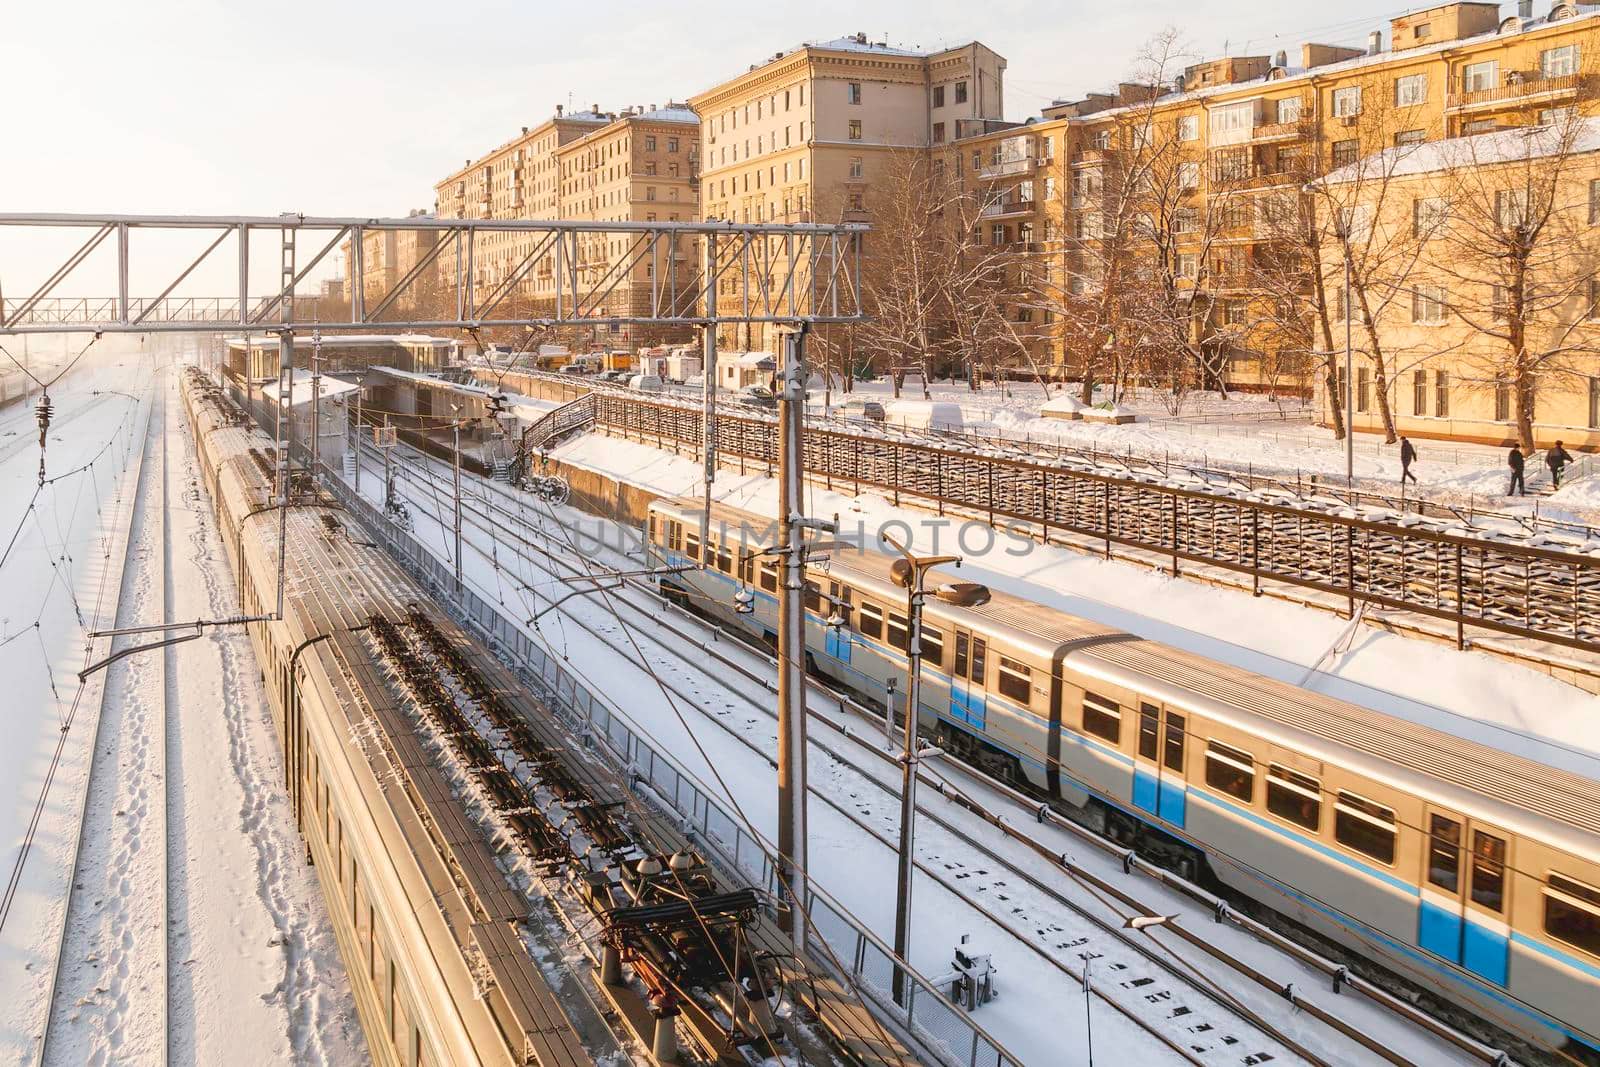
x=708 y=268
x=360 y=390
x=285 y=436
x=456 y=454
x=316 y=404
x=792 y=640
x=910 y=571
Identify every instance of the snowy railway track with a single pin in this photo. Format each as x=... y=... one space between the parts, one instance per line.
x=1144 y=977
x=103 y=966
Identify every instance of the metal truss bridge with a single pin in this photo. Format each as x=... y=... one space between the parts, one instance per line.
x=561 y=272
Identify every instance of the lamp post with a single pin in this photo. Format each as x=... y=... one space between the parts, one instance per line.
x=910 y=571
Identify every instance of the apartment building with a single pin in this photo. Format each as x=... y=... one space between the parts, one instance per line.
x=804 y=135
x=1242 y=136
x=518 y=180
x=1472 y=220
x=641 y=167
x=386 y=257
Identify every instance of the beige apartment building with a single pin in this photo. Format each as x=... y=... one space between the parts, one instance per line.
x=386 y=257
x=641 y=167
x=1243 y=136
x=804 y=136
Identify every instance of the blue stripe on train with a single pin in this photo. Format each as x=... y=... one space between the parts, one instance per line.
x=1439 y=930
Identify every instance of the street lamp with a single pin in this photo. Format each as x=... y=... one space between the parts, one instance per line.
x=910 y=571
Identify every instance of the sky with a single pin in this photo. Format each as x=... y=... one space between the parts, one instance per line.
x=357 y=108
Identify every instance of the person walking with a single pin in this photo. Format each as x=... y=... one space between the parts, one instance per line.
x=1556 y=459
x=1408 y=456
x=1516 y=461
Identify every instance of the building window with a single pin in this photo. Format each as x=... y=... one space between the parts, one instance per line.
x=997 y=234
x=938 y=96
x=855 y=167
x=1427 y=215
x=1231 y=123
x=1594 y=403
x=1363 y=389
x=1188 y=265
x=1422 y=31
x=857 y=203
x=1345 y=153
x=1365 y=827
x=1231 y=771
x=853 y=92
x=1188 y=127
x=1419 y=392
x=961 y=92
x=1347 y=102
x=1102 y=718
x=650 y=143
x=1427 y=304
x=1502 y=401
x=1477 y=126
x=1289 y=110
x=855 y=129
x=1511 y=208
x=1409 y=137
x=1411 y=90
x=938 y=133
x=1188 y=175
x=1476 y=77
x=1594 y=202
x=1233 y=313
x=672 y=144
x=1441 y=393
x=1559 y=62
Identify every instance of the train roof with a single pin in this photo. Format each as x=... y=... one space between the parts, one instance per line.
x=1507 y=788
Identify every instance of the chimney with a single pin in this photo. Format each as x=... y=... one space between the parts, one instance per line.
x=558 y=111
x=1178 y=84
x=524 y=131
x=1524 y=9
x=595 y=108
x=1281 y=59
x=1374 y=42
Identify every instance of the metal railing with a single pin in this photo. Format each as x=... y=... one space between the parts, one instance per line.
x=940 y=1029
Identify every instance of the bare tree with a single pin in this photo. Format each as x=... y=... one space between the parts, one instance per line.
x=1516 y=256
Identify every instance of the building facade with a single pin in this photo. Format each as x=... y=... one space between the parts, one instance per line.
x=809 y=134
x=1229 y=146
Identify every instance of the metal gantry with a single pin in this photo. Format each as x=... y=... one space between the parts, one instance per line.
x=546 y=273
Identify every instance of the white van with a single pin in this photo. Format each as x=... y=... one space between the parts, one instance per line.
x=923 y=415
x=645 y=383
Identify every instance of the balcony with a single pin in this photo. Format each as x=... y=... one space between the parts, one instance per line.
x=1518 y=91
x=1008 y=167
x=1275 y=131
x=1092 y=155
x=1000 y=209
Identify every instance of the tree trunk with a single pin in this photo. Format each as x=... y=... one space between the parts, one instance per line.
x=1380 y=378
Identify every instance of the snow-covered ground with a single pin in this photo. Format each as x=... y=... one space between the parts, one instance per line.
x=195 y=926
x=1497 y=703
x=1246 y=432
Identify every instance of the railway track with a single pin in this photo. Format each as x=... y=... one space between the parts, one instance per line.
x=112 y=956
x=1141 y=977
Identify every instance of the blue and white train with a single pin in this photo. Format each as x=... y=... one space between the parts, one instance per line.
x=1472 y=873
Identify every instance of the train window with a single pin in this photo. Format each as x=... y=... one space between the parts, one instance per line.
x=979 y=667
x=747 y=566
x=870 y=621
x=769 y=577
x=1149 y=730
x=1488 y=871
x=1444 y=853
x=1231 y=770
x=674 y=536
x=655 y=533
x=724 y=559
x=899 y=631
x=1102 y=718
x=932 y=646
x=959 y=670
x=691 y=545
x=1015 y=680
x=1364 y=827
x=1572 y=913
x=813 y=597
x=1173 y=756
x=1294 y=796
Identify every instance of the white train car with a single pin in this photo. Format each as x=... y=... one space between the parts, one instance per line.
x=1472 y=873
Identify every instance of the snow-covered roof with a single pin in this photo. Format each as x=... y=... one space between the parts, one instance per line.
x=854 y=44
x=670 y=114
x=328 y=387
x=1477 y=150
x=754 y=359
x=346 y=340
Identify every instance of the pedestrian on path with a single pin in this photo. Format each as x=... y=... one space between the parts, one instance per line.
x=1516 y=461
x=1408 y=456
x=1556 y=459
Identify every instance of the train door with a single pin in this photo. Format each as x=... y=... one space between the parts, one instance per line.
x=969 y=696
x=1158 y=783
x=1439 y=914
x=1486 y=933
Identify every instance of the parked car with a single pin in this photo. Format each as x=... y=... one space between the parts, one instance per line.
x=575 y=368
x=757 y=396
x=872 y=411
x=645 y=383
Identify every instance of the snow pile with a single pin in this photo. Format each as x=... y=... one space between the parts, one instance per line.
x=1063 y=407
